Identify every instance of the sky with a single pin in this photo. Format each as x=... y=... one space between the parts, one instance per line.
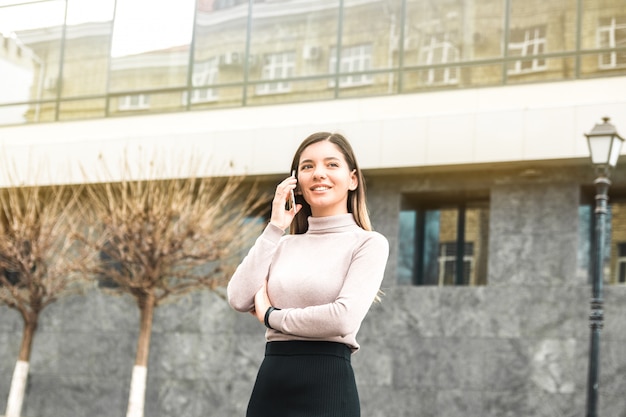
x=140 y=25
x=143 y=25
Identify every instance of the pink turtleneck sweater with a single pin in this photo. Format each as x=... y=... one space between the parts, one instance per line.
x=324 y=281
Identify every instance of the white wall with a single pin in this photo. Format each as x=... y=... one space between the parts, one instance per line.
x=499 y=124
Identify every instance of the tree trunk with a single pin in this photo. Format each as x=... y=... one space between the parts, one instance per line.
x=20 y=374
x=136 y=398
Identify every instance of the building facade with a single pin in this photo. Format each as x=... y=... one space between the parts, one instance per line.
x=468 y=118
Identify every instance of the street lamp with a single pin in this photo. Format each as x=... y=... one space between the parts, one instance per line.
x=605 y=145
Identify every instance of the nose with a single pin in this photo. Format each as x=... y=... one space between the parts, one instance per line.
x=319 y=172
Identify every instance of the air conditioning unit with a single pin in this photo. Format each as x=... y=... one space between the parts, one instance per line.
x=311 y=52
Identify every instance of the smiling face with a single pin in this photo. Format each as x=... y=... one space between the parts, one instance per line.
x=324 y=178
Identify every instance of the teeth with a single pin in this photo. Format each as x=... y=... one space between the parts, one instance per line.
x=320 y=188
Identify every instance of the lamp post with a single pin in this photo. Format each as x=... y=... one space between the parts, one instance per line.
x=605 y=145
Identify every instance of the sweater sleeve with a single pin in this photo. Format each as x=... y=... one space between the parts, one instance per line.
x=344 y=315
x=253 y=270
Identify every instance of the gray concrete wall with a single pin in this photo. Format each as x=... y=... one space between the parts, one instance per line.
x=516 y=347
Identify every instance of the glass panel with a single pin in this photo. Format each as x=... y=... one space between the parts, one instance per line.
x=276 y=68
x=205 y=76
x=381 y=32
x=448 y=255
x=87 y=47
x=150 y=45
x=13 y=2
x=215 y=97
x=620 y=270
x=10 y=115
x=438 y=225
x=30 y=52
x=592 y=64
x=600 y=20
x=355 y=60
x=526 y=43
x=538 y=69
x=476 y=244
x=542 y=26
x=617 y=223
x=437 y=77
x=142 y=103
x=380 y=84
x=291 y=39
x=43 y=111
x=406 y=246
x=82 y=109
x=451 y=31
x=604 y=27
x=299 y=91
x=452 y=77
x=484 y=36
x=612 y=34
x=219 y=51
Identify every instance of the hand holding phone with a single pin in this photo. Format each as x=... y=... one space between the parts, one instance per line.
x=292 y=196
x=284 y=207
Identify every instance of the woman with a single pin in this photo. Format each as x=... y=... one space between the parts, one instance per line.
x=312 y=288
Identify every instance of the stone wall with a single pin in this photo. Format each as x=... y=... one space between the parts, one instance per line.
x=515 y=347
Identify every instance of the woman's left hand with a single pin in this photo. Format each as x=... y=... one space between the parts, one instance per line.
x=261 y=303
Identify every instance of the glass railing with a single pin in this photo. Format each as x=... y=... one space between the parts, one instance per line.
x=76 y=59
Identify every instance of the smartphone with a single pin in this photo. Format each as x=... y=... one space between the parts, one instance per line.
x=292 y=196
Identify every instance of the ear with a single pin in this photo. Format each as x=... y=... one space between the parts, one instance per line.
x=354 y=181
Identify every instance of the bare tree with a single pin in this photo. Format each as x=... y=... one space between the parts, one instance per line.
x=160 y=239
x=37 y=263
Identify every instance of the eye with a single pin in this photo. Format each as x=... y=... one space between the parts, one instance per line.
x=333 y=164
x=305 y=167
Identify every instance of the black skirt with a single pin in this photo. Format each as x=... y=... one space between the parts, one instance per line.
x=305 y=379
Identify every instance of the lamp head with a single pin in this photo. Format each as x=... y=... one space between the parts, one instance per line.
x=605 y=145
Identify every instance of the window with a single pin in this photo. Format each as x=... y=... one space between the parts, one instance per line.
x=204 y=73
x=134 y=102
x=353 y=59
x=438 y=48
x=612 y=34
x=276 y=67
x=527 y=43
x=443 y=244
x=620 y=267
x=448 y=263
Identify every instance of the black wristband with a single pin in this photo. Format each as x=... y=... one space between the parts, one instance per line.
x=267 y=316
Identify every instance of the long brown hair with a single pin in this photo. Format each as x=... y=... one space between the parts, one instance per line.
x=356 y=198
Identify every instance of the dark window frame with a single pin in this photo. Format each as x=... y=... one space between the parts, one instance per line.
x=421 y=204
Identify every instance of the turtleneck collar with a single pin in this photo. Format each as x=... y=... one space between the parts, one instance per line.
x=337 y=223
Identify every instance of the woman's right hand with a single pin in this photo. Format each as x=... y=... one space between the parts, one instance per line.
x=281 y=217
